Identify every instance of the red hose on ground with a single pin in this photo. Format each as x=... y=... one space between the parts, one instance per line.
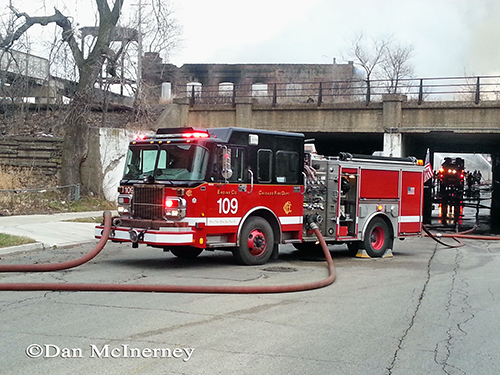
x=154 y=288
x=465 y=234
x=471 y=236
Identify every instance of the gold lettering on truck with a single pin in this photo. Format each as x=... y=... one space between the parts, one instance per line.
x=274 y=193
x=226 y=192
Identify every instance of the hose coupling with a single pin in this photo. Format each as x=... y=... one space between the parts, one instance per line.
x=313 y=226
x=313 y=220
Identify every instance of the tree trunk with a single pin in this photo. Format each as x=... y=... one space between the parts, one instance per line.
x=75 y=126
x=75 y=145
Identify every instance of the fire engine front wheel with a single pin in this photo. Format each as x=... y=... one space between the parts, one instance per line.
x=256 y=242
x=185 y=252
x=377 y=238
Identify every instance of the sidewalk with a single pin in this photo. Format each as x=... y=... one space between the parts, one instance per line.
x=48 y=230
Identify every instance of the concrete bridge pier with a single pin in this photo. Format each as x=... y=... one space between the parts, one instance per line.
x=392 y=117
x=393 y=145
x=495 y=195
x=243 y=109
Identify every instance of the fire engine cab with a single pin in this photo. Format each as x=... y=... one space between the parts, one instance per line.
x=451 y=180
x=247 y=191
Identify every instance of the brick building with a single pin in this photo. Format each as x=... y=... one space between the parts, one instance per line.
x=167 y=81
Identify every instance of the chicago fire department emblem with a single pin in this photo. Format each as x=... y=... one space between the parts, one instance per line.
x=287 y=207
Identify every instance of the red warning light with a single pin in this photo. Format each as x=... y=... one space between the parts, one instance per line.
x=195 y=135
x=171 y=203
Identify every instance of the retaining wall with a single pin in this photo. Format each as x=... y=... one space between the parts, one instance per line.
x=43 y=154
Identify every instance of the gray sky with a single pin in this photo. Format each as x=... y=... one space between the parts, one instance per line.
x=450 y=37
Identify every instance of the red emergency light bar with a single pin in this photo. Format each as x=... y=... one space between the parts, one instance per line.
x=450 y=170
x=195 y=135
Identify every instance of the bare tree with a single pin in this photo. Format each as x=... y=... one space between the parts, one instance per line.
x=14 y=80
x=75 y=126
x=158 y=32
x=395 y=68
x=89 y=58
x=369 y=55
x=382 y=58
x=161 y=31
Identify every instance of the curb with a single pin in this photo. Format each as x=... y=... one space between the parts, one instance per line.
x=21 y=248
x=40 y=246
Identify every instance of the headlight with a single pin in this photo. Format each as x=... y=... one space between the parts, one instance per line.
x=124 y=201
x=175 y=207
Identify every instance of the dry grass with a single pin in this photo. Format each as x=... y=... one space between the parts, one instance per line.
x=48 y=202
x=23 y=201
x=8 y=179
x=15 y=178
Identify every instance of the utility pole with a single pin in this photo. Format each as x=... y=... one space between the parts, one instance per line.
x=139 y=57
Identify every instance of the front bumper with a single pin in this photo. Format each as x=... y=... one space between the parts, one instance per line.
x=155 y=237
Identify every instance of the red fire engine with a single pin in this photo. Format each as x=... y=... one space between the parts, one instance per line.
x=247 y=191
x=450 y=189
x=451 y=180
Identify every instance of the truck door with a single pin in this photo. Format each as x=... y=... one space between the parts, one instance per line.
x=227 y=195
x=347 y=214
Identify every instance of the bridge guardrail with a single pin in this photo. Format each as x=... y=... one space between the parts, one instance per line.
x=473 y=89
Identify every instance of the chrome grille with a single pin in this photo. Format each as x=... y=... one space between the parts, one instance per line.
x=148 y=202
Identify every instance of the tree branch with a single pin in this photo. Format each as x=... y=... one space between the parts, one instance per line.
x=58 y=18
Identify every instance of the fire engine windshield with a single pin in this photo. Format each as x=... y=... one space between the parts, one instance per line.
x=172 y=162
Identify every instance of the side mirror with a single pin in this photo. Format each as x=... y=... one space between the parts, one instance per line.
x=226 y=170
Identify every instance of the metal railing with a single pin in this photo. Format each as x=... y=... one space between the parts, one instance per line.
x=472 y=89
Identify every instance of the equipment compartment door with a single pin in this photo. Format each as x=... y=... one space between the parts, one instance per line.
x=410 y=219
x=348 y=204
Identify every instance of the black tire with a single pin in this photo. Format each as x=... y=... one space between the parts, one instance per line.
x=256 y=242
x=377 y=238
x=353 y=247
x=185 y=252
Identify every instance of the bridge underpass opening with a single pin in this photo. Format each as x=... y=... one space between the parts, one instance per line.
x=461 y=191
x=453 y=144
x=472 y=162
x=331 y=144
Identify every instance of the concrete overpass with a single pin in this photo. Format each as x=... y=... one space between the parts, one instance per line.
x=396 y=126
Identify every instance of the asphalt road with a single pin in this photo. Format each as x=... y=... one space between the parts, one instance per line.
x=428 y=310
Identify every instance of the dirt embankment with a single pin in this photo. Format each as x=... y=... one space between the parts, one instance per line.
x=44 y=122
x=23 y=190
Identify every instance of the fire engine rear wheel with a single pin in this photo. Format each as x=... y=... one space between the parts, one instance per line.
x=376 y=238
x=256 y=242
x=185 y=252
